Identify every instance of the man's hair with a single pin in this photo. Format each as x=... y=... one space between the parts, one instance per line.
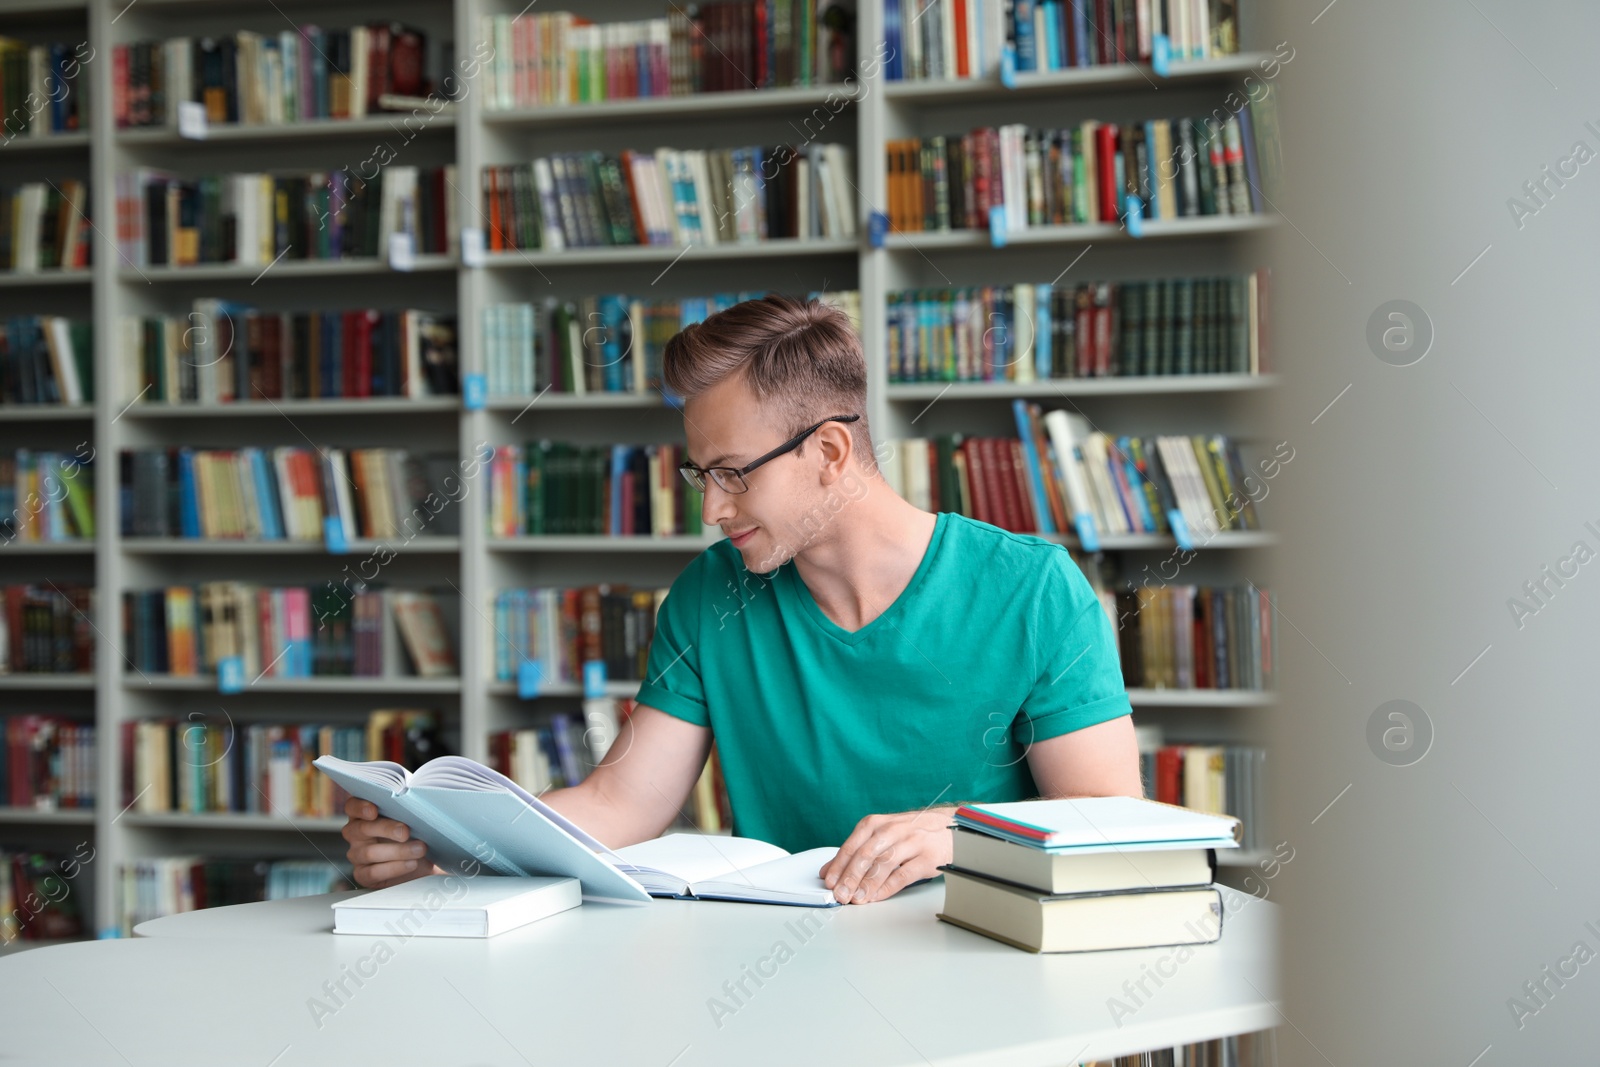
x=801 y=358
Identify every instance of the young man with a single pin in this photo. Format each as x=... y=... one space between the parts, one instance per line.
x=863 y=665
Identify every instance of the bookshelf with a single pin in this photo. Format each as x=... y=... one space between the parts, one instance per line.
x=470 y=136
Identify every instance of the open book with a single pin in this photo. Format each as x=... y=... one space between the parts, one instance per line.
x=712 y=867
x=467 y=813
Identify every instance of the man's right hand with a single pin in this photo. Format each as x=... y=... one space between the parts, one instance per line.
x=382 y=850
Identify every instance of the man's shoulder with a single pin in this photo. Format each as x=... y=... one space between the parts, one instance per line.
x=969 y=538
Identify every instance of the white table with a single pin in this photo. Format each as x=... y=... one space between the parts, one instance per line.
x=881 y=983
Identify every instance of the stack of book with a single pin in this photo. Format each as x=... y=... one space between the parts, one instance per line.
x=254 y=219
x=1224 y=164
x=1087 y=874
x=277 y=494
x=964 y=39
x=562 y=58
x=36 y=898
x=292 y=632
x=562 y=629
x=39 y=87
x=166 y=885
x=212 y=767
x=275 y=78
x=46 y=629
x=46 y=360
x=47 y=763
x=45 y=226
x=1023 y=333
x=46 y=496
x=550 y=487
x=222 y=352
x=1058 y=475
x=671 y=197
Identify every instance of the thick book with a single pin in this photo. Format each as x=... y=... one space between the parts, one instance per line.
x=1127 y=822
x=714 y=867
x=448 y=905
x=1087 y=869
x=468 y=814
x=1081 y=922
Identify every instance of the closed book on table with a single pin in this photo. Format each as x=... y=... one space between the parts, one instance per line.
x=1082 y=870
x=1081 y=922
x=451 y=905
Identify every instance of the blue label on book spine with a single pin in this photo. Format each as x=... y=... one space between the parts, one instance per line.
x=296 y=662
x=877 y=229
x=474 y=392
x=333 y=535
x=1008 y=66
x=1088 y=534
x=230 y=675
x=997 y=225
x=1161 y=54
x=530 y=676
x=594 y=678
x=1134 y=218
x=1180 y=530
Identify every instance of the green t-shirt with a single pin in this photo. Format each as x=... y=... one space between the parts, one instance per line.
x=996 y=642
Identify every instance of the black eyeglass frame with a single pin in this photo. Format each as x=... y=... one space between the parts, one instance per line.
x=689 y=470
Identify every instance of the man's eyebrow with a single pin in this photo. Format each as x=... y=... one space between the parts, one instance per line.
x=719 y=460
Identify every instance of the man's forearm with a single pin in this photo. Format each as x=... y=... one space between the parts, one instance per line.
x=612 y=822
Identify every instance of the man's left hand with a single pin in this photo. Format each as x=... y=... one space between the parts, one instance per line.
x=886 y=853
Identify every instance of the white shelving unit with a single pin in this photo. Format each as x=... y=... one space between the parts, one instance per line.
x=474 y=705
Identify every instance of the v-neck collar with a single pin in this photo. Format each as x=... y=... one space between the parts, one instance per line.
x=802 y=595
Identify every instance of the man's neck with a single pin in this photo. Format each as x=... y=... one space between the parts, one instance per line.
x=867 y=556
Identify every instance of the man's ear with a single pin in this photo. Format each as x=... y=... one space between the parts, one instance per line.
x=836 y=446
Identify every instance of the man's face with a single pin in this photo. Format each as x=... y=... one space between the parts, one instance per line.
x=726 y=427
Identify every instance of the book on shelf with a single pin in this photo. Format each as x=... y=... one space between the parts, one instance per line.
x=46 y=496
x=288 y=632
x=447 y=905
x=1069 y=875
x=965 y=39
x=255 y=219
x=667 y=196
x=40 y=88
x=223 y=353
x=1176 y=636
x=562 y=629
x=46 y=629
x=1017 y=177
x=551 y=487
x=562 y=58
x=286 y=493
x=1227 y=779
x=48 y=763
x=36 y=898
x=44 y=226
x=1059 y=475
x=558 y=754
x=719 y=867
x=203 y=765
x=292 y=76
x=1259 y=1049
x=46 y=359
x=1046 y=332
x=168 y=885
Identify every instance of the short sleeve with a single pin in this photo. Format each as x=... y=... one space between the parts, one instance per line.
x=1078 y=671
x=672 y=680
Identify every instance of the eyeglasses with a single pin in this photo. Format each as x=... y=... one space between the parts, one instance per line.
x=731 y=479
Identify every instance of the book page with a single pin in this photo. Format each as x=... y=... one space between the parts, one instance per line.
x=695 y=857
x=796 y=874
x=458 y=772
